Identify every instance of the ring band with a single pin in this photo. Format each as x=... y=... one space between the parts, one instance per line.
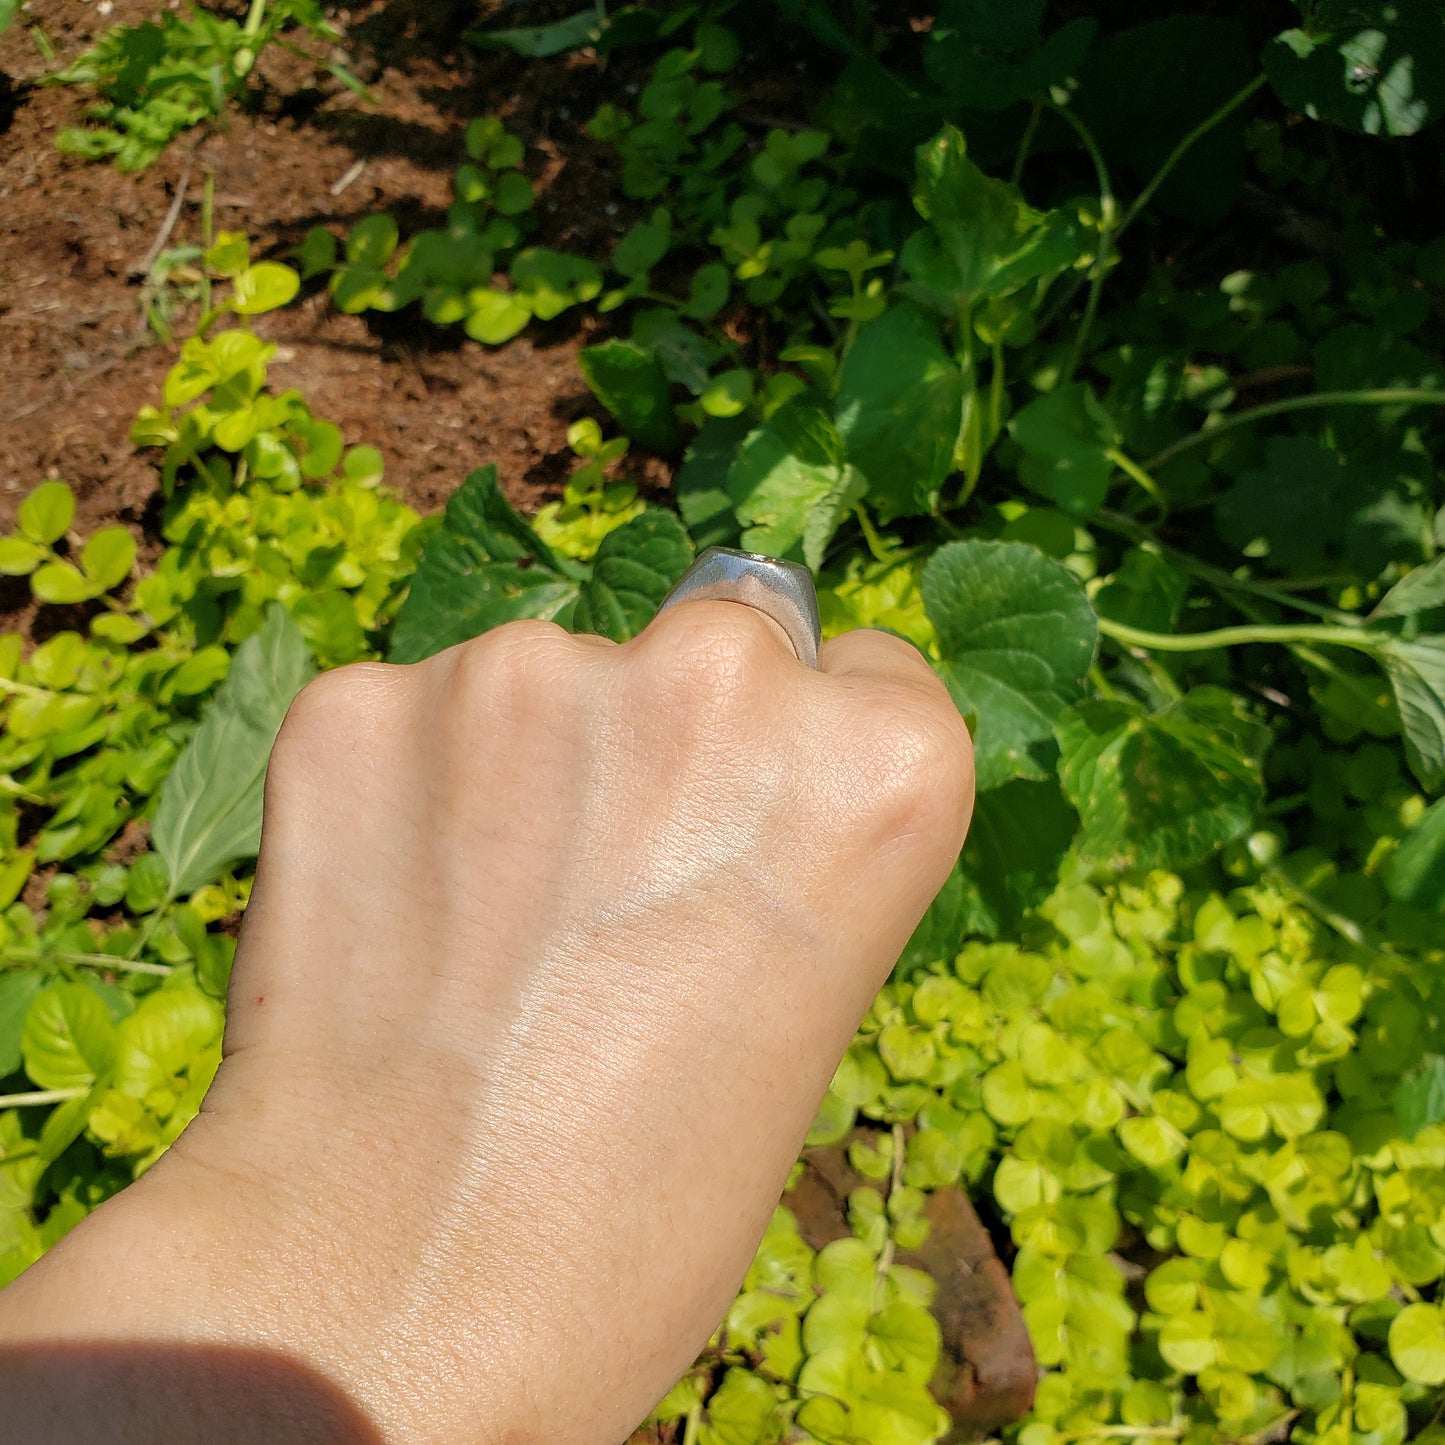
x=782 y=590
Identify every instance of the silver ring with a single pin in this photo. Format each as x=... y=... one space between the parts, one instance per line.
x=782 y=590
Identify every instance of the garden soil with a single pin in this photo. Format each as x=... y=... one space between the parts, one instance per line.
x=78 y=359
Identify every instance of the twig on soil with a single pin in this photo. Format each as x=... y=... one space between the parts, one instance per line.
x=168 y=224
x=352 y=173
x=24 y=412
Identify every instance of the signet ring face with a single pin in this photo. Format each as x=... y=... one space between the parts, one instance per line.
x=782 y=590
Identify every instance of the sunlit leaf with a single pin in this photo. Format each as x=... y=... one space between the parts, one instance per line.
x=1016 y=635
x=209 y=815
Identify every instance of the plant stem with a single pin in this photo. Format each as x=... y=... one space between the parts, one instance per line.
x=693 y=1425
x=254 y=17
x=1131 y=468
x=1108 y=227
x=1217 y=577
x=1287 y=633
x=208 y=208
x=895 y=1182
x=1381 y=396
x=1127 y=1432
x=40 y=1096
x=1026 y=143
x=119 y=965
x=881 y=551
x=1182 y=149
x=25 y=689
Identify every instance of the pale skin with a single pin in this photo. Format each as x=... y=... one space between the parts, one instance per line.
x=553 y=949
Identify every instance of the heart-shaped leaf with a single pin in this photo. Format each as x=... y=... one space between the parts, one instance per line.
x=1016 y=636
x=485 y=566
x=634 y=570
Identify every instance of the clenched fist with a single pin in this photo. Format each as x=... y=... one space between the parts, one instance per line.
x=553 y=949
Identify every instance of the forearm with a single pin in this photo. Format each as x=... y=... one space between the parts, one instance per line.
x=150 y=1323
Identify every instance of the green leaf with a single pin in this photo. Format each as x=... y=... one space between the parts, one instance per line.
x=1067 y=436
x=371 y=242
x=982 y=239
x=634 y=570
x=18 y=989
x=106 y=559
x=907 y=1339
x=68 y=1040
x=168 y=1031
x=266 y=286
x=209 y=815
x=1151 y=1140
x=549 y=282
x=8 y=11
x=971 y=45
x=541 y=41
x=728 y=393
x=1417 y=591
x=700 y=486
x=1016 y=842
x=1310 y=507
x=60 y=583
x=317 y=252
x=1164 y=789
x=148 y=884
x=641 y=248
x=485 y=566
x=825 y=519
x=1187 y=1342
x=229 y=255
x=1415 y=873
x=495 y=316
x=355 y=289
x=513 y=194
x=364 y=466
x=1417 y=674
x=1417 y=1343
x=19 y=556
x=1376 y=66
x=1146 y=592
x=1016 y=636
x=1420 y=1097
x=632 y=385
x=46 y=514
x=790 y=482
x=899 y=407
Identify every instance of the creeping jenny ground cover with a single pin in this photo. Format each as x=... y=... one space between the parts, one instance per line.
x=1170 y=533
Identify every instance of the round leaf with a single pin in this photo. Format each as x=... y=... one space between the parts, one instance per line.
x=264 y=287
x=1417 y=1343
x=496 y=316
x=1016 y=637
x=108 y=557
x=19 y=556
x=68 y=1040
x=61 y=583
x=47 y=513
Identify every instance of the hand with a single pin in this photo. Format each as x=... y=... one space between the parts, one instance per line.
x=553 y=949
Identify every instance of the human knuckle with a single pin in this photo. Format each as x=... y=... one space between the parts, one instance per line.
x=919 y=759
x=340 y=702
x=515 y=655
x=713 y=652
x=336 y=720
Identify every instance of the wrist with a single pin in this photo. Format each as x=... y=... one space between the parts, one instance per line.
x=154 y=1320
